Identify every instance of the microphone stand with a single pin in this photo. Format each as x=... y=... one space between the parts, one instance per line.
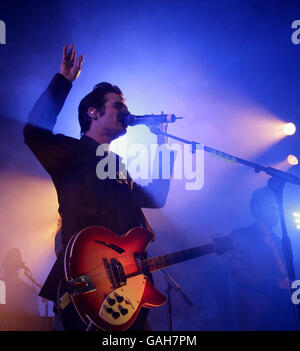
x=28 y=274
x=276 y=184
x=172 y=284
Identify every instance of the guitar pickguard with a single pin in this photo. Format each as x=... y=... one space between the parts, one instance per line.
x=119 y=306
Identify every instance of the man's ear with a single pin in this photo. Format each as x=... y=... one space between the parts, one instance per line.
x=92 y=113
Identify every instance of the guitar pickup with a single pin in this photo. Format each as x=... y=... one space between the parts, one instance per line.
x=115 y=272
x=118 y=272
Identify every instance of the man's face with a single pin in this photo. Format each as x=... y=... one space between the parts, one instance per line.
x=268 y=212
x=111 y=123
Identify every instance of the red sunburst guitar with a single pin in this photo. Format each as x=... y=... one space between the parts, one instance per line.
x=107 y=274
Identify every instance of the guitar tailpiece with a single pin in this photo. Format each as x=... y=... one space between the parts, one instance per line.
x=81 y=285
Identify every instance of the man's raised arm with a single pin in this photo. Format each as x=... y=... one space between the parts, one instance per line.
x=42 y=118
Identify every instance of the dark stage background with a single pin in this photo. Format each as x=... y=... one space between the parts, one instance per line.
x=228 y=67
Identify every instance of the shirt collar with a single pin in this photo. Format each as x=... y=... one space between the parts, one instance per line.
x=89 y=141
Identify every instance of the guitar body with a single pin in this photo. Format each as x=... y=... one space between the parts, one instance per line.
x=108 y=280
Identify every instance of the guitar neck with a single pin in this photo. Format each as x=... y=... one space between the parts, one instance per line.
x=160 y=262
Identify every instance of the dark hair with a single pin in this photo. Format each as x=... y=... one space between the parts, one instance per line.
x=96 y=99
x=258 y=197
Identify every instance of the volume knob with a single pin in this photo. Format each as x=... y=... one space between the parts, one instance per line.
x=120 y=298
x=116 y=315
x=123 y=311
x=111 y=302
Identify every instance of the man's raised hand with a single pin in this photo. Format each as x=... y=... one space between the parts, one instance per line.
x=68 y=68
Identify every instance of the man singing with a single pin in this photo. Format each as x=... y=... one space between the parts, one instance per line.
x=84 y=199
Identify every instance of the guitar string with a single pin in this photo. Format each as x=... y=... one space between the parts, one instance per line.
x=144 y=263
x=105 y=271
x=101 y=271
x=120 y=269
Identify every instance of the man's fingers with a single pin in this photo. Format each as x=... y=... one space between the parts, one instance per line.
x=71 y=48
x=73 y=54
x=68 y=53
x=69 y=69
x=64 y=51
x=79 y=61
x=69 y=57
x=64 y=54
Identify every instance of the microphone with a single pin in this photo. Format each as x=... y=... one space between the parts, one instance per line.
x=150 y=120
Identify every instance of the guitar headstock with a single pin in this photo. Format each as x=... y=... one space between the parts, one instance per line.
x=223 y=244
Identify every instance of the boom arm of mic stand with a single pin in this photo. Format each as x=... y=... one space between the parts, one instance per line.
x=284 y=176
x=276 y=183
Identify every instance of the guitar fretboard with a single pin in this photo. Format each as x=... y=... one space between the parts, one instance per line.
x=159 y=262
